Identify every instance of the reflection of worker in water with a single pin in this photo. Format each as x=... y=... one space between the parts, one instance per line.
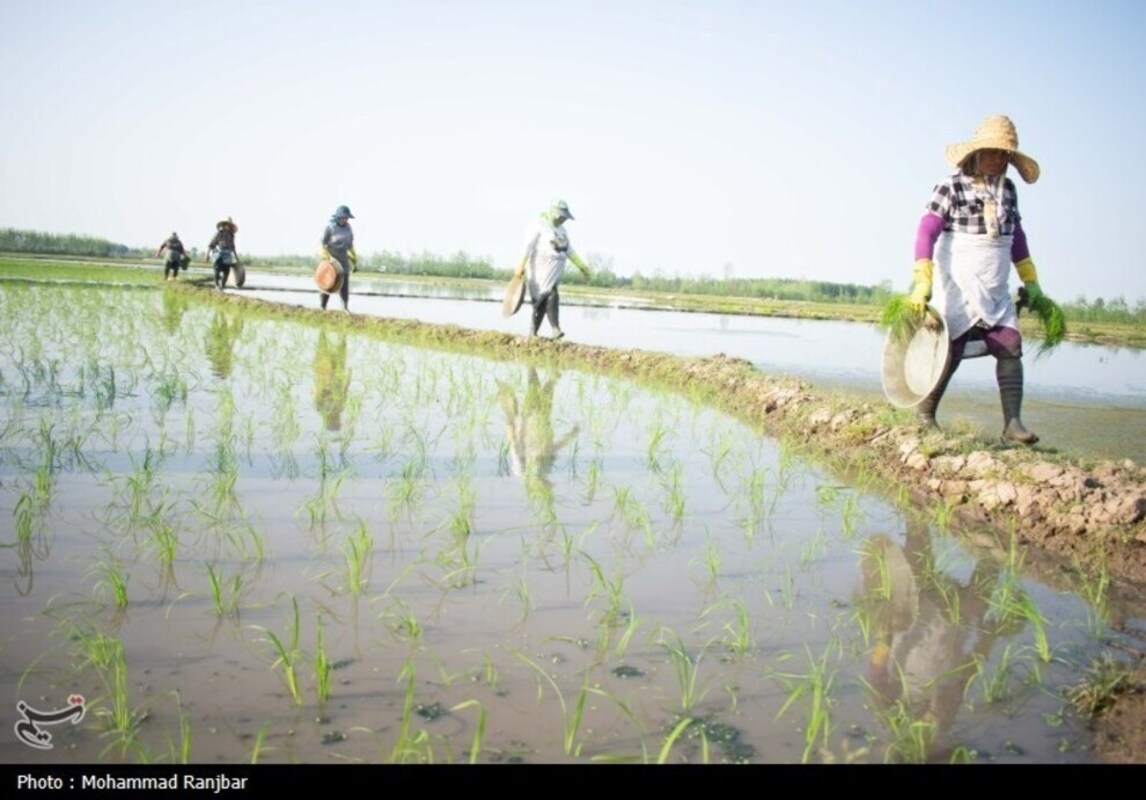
x=221 y=337
x=533 y=446
x=331 y=380
x=930 y=631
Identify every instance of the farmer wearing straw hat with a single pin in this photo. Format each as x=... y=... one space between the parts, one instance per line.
x=223 y=246
x=176 y=253
x=338 y=247
x=964 y=248
x=547 y=249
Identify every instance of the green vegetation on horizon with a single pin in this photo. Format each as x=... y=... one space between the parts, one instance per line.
x=1117 y=311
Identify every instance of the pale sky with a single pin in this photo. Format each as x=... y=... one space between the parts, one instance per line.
x=795 y=139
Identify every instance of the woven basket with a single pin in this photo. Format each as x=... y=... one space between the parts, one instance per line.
x=328 y=276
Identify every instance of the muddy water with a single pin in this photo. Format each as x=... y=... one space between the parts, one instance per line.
x=566 y=563
x=1085 y=399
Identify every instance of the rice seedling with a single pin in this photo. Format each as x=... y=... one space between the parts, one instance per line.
x=120 y=720
x=654 y=447
x=687 y=671
x=852 y=515
x=409 y=747
x=1008 y=604
x=1093 y=586
x=911 y=739
x=224 y=596
x=172 y=387
x=899 y=319
x=817 y=685
x=1105 y=681
x=257 y=746
x=996 y=683
x=593 y=479
x=738 y=631
x=113 y=580
x=612 y=591
x=571 y=741
x=322 y=666
x=479 y=727
x=401 y=621
x=181 y=753
x=24 y=515
x=674 y=501
x=1050 y=317
x=164 y=537
x=288 y=657
x=713 y=559
x=357 y=551
x=672 y=737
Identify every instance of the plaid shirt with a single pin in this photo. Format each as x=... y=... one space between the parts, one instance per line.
x=961 y=204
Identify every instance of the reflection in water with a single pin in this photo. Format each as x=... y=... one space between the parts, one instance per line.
x=331 y=380
x=931 y=635
x=221 y=337
x=174 y=306
x=533 y=445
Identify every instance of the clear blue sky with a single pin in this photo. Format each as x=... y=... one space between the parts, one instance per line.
x=786 y=139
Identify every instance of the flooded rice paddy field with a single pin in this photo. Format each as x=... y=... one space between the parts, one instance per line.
x=1083 y=399
x=256 y=540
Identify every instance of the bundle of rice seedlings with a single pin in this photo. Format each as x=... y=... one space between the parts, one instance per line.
x=899 y=319
x=1053 y=322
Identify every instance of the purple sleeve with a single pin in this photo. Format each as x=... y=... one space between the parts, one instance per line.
x=1019 y=248
x=930 y=226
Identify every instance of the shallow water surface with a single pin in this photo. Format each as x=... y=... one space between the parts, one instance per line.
x=1085 y=399
x=249 y=539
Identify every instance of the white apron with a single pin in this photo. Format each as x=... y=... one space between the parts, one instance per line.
x=971 y=282
x=546 y=250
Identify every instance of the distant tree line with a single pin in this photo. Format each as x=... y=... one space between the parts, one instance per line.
x=462 y=265
x=13 y=240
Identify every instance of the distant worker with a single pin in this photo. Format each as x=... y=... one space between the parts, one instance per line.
x=338 y=247
x=223 y=248
x=547 y=249
x=973 y=232
x=176 y=256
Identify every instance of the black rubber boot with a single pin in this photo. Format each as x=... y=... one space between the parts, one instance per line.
x=538 y=315
x=925 y=411
x=553 y=313
x=1009 y=372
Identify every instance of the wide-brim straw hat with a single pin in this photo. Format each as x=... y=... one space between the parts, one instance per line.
x=227 y=223
x=995 y=133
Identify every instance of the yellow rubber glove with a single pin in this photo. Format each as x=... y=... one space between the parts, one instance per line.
x=579 y=264
x=352 y=257
x=1030 y=277
x=324 y=254
x=921 y=291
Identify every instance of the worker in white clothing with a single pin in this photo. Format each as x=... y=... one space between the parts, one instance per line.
x=547 y=250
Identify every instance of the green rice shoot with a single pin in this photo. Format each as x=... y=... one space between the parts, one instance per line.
x=899 y=319
x=1053 y=322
